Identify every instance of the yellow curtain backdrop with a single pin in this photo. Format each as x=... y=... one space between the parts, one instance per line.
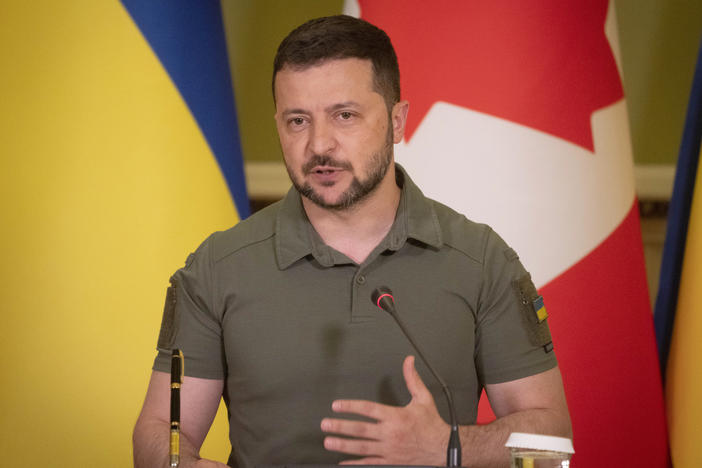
x=106 y=185
x=684 y=373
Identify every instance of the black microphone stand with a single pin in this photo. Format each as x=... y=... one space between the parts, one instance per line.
x=382 y=297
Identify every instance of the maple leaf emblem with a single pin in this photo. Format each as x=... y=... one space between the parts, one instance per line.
x=547 y=64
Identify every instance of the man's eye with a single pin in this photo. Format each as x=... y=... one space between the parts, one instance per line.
x=345 y=115
x=297 y=121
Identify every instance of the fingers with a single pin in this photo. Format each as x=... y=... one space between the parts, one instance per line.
x=365 y=408
x=345 y=427
x=414 y=382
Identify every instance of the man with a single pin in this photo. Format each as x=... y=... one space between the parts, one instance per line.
x=275 y=314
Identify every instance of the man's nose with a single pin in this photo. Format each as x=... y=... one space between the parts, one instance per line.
x=322 y=139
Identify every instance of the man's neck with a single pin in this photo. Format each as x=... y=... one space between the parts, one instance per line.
x=356 y=231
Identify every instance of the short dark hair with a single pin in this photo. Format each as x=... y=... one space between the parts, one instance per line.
x=339 y=37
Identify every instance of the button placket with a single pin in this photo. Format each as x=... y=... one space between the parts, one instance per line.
x=359 y=312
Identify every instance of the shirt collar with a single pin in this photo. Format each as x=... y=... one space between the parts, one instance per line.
x=296 y=238
x=416 y=218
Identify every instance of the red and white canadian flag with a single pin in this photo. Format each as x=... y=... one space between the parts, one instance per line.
x=518 y=120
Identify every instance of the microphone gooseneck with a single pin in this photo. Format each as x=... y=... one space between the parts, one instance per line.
x=383 y=298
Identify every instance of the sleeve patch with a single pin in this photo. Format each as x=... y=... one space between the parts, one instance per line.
x=169 y=323
x=533 y=313
x=540 y=309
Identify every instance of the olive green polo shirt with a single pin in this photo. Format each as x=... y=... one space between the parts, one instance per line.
x=288 y=322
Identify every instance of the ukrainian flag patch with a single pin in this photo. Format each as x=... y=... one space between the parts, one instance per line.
x=540 y=308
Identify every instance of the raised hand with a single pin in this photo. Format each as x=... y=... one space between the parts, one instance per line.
x=413 y=434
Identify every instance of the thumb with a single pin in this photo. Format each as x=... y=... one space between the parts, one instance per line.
x=416 y=387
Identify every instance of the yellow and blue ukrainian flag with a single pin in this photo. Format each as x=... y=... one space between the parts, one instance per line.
x=678 y=314
x=119 y=154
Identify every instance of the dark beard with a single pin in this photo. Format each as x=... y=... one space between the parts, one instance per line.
x=359 y=189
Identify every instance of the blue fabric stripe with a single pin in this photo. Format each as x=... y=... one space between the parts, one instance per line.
x=188 y=38
x=678 y=219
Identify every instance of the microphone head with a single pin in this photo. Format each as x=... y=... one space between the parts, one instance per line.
x=382 y=297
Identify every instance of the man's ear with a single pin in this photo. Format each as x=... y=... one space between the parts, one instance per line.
x=398 y=118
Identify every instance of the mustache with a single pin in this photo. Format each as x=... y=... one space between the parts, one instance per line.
x=324 y=160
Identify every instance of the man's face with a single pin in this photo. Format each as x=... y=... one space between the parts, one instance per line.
x=334 y=130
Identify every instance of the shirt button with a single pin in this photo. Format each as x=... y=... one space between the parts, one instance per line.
x=361 y=279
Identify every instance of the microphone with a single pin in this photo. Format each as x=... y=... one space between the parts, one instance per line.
x=382 y=297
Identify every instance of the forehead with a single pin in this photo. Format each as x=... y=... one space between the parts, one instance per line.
x=332 y=79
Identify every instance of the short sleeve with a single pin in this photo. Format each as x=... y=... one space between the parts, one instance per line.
x=512 y=336
x=190 y=322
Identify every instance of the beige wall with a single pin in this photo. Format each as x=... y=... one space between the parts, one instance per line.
x=659 y=40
